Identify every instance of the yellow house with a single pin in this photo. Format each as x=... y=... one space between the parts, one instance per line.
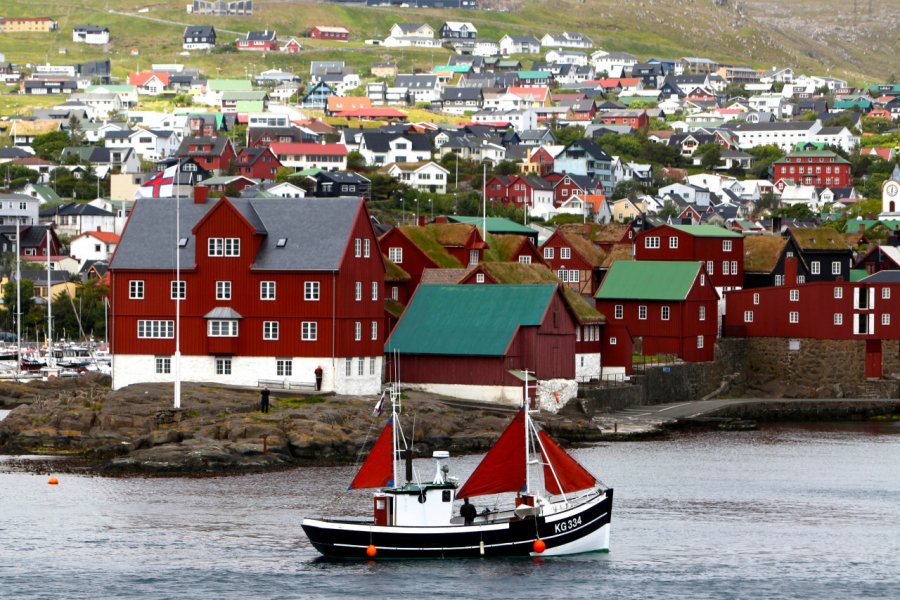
x=626 y=210
x=27 y=25
x=57 y=285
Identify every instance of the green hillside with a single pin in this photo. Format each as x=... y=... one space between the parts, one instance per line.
x=810 y=35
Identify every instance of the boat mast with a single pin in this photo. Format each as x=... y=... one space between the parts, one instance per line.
x=18 y=300
x=49 y=306
x=527 y=437
x=395 y=413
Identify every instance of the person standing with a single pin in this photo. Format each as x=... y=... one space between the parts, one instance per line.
x=264 y=399
x=468 y=512
x=318 y=378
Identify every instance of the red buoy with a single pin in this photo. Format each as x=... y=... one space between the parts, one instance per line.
x=539 y=546
x=371 y=551
x=53 y=481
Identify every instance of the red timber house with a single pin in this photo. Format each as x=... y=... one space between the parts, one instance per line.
x=415 y=248
x=257 y=163
x=515 y=190
x=605 y=236
x=575 y=261
x=721 y=250
x=666 y=307
x=467 y=341
x=270 y=291
x=566 y=185
x=213 y=153
x=818 y=168
x=321 y=32
x=261 y=41
x=588 y=321
x=867 y=311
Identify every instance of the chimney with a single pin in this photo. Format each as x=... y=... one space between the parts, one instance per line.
x=776 y=224
x=201 y=194
x=421 y=221
x=790 y=271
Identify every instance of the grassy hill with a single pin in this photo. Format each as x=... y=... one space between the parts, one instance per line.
x=815 y=36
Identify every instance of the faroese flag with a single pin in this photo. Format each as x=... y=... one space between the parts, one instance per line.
x=161 y=185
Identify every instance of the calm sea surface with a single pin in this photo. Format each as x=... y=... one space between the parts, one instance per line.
x=785 y=512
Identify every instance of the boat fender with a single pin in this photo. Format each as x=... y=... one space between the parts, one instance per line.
x=481 y=547
x=422 y=497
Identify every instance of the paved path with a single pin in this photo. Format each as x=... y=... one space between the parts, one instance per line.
x=644 y=418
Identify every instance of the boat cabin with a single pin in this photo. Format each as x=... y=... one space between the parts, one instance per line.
x=419 y=504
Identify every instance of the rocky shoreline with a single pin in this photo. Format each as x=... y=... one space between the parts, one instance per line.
x=220 y=430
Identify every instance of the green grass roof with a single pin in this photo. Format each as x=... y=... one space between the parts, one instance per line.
x=707 y=231
x=425 y=238
x=461 y=320
x=648 y=280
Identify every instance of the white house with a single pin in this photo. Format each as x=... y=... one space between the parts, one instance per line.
x=486 y=48
x=419 y=35
x=783 y=135
x=93 y=245
x=154 y=144
x=519 y=44
x=426 y=176
x=773 y=103
x=520 y=119
x=286 y=190
x=100 y=105
x=691 y=194
x=567 y=57
x=18 y=207
x=567 y=39
x=841 y=137
x=800 y=194
x=614 y=64
x=90 y=34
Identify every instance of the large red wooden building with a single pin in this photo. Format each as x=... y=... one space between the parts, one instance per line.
x=868 y=310
x=721 y=250
x=668 y=306
x=269 y=290
x=818 y=168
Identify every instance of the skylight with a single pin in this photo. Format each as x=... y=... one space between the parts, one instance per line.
x=282 y=242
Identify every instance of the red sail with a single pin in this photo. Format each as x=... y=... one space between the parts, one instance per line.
x=503 y=468
x=378 y=470
x=572 y=476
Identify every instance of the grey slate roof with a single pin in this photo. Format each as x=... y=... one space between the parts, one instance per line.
x=316 y=231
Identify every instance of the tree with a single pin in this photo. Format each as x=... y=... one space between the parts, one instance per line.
x=76 y=133
x=49 y=146
x=356 y=161
x=568 y=134
x=669 y=210
x=709 y=154
x=9 y=301
x=809 y=115
x=506 y=167
x=83 y=314
x=630 y=188
x=798 y=212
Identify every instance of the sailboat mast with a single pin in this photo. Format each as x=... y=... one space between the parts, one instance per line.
x=49 y=305
x=527 y=437
x=18 y=300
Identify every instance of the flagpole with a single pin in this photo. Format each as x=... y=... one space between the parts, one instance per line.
x=177 y=291
x=49 y=306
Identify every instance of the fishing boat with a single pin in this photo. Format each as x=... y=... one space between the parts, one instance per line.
x=411 y=518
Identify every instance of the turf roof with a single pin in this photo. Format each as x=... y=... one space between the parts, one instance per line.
x=761 y=252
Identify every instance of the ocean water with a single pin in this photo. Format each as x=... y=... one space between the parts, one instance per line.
x=784 y=512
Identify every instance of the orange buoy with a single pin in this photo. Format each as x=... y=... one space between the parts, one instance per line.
x=53 y=481
x=371 y=551
x=539 y=546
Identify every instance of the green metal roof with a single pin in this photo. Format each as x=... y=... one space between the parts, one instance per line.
x=229 y=96
x=812 y=154
x=858 y=275
x=495 y=225
x=707 y=231
x=452 y=68
x=648 y=280
x=248 y=106
x=47 y=194
x=460 y=320
x=110 y=88
x=310 y=172
x=534 y=74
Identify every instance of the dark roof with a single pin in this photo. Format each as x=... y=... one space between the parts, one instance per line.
x=29 y=236
x=885 y=276
x=71 y=209
x=199 y=31
x=460 y=93
x=341 y=177
x=218 y=145
x=316 y=232
x=416 y=82
x=12 y=152
x=377 y=141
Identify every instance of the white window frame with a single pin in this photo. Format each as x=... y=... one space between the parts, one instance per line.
x=794 y=295
x=885 y=293
x=311 y=291
x=155 y=329
x=642 y=312
x=673 y=242
x=267 y=290
x=223 y=290
x=270 y=330
x=357 y=331
x=309 y=331
x=838 y=319
x=726 y=245
x=548 y=253
x=374 y=330
x=565 y=253
x=395 y=254
x=367 y=248
x=284 y=367
x=178 y=289
x=748 y=316
x=357 y=291
x=702 y=315
x=375 y=290
x=619 y=311
x=815 y=268
x=163 y=365
x=699 y=342
x=836 y=267
x=223 y=366
x=665 y=312
x=136 y=289
x=232 y=247
x=357 y=247
x=651 y=242
x=710 y=267
x=885 y=318
x=222 y=328
x=794 y=317
x=215 y=247
x=524 y=259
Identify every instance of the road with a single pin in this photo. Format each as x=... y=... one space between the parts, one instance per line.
x=646 y=418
